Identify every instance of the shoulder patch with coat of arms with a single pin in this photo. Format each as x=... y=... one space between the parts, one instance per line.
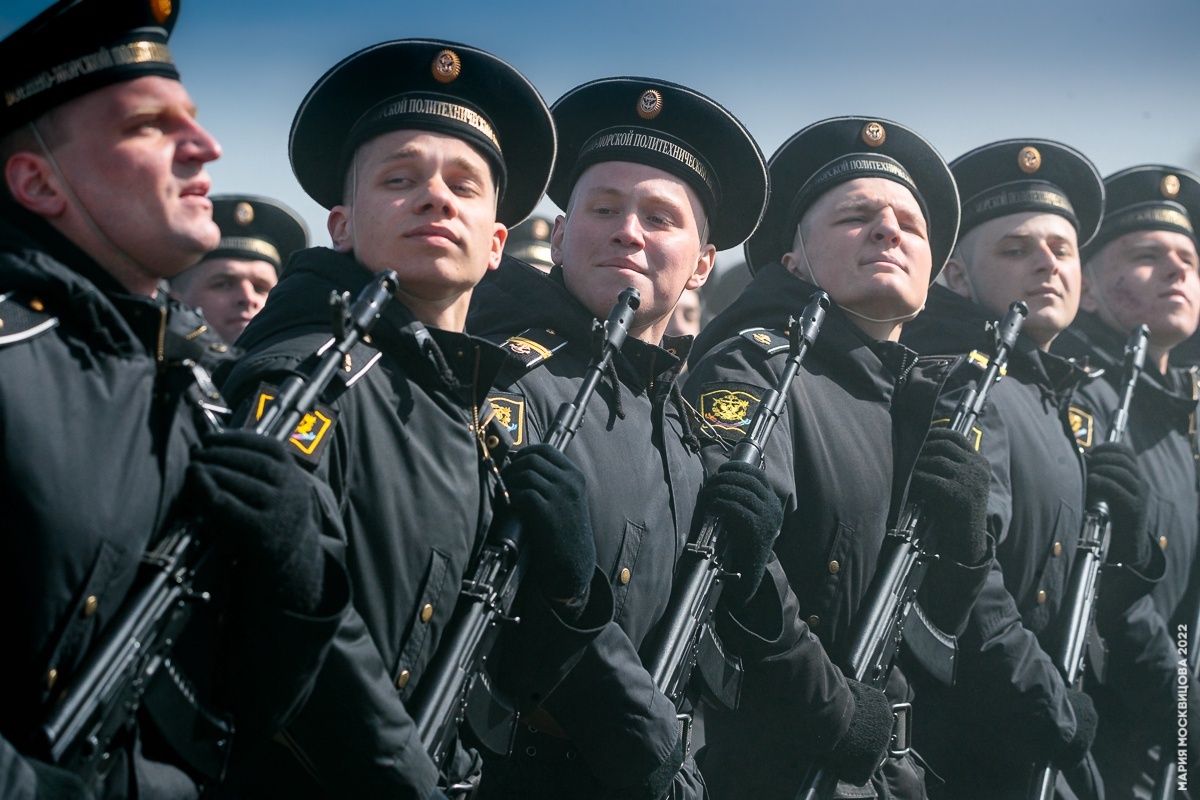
x=1082 y=425
x=509 y=412
x=533 y=346
x=772 y=341
x=727 y=408
x=312 y=434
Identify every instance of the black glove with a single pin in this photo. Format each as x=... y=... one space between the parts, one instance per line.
x=862 y=749
x=56 y=783
x=1113 y=477
x=549 y=496
x=751 y=512
x=1086 y=721
x=658 y=783
x=952 y=480
x=255 y=502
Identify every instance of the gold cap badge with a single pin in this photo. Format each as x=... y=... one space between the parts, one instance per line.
x=161 y=10
x=1169 y=186
x=1029 y=160
x=243 y=213
x=649 y=104
x=874 y=134
x=446 y=66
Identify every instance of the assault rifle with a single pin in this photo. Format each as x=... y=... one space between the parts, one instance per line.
x=1084 y=583
x=889 y=610
x=96 y=710
x=455 y=678
x=700 y=572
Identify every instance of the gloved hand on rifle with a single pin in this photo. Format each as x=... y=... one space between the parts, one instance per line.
x=549 y=495
x=862 y=748
x=952 y=480
x=1112 y=476
x=255 y=502
x=740 y=496
x=1086 y=721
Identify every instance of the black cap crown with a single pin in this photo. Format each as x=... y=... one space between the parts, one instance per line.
x=670 y=127
x=77 y=46
x=257 y=229
x=432 y=85
x=530 y=241
x=834 y=151
x=1019 y=175
x=1150 y=197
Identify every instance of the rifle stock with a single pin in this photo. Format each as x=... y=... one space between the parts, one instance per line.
x=1083 y=586
x=487 y=596
x=96 y=708
x=878 y=627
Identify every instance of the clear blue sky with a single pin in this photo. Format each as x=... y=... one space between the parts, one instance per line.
x=1117 y=79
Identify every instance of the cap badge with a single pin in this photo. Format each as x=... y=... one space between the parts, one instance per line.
x=874 y=134
x=446 y=66
x=649 y=104
x=1029 y=160
x=161 y=10
x=243 y=213
x=1169 y=186
x=762 y=338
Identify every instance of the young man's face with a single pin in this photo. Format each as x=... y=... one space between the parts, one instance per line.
x=1146 y=277
x=1029 y=256
x=865 y=242
x=634 y=225
x=134 y=155
x=423 y=204
x=230 y=291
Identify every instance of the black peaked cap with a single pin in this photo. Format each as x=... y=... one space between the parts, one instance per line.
x=1018 y=175
x=257 y=228
x=77 y=46
x=840 y=149
x=1148 y=197
x=426 y=84
x=673 y=128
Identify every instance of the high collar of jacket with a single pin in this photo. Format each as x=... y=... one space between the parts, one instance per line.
x=517 y=297
x=45 y=263
x=1090 y=340
x=863 y=364
x=952 y=324
x=299 y=305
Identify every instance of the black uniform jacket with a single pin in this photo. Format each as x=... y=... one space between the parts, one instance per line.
x=840 y=459
x=95 y=434
x=404 y=476
x=643 y=472
x=1138 y=700
x=1009 y=707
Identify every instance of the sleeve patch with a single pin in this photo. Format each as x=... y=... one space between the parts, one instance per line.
x=729 y=407
x=508 y=410
x=311 y=436
x=1081 y=425
x=533 y=346
x=770 y=340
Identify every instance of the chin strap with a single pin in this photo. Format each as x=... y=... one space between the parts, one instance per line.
x=813 y=278
x=73 y=199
